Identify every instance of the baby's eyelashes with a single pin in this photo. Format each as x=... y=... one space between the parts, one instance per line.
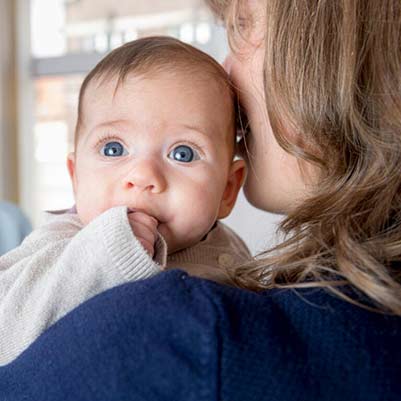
x=180 y=153
x=184 y=154
x=113 y=149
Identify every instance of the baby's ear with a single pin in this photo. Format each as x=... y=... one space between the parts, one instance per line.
x=235 y=180
x=71 y=169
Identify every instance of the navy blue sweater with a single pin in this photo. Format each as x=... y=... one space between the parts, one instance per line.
x=174 y=337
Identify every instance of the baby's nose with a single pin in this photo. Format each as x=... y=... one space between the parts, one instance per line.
x=145 y=175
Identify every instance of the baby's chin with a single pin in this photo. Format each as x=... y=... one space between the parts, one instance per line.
x=85 y=219
x=176 y=243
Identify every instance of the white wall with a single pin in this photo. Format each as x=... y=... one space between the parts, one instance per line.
x=255 y=227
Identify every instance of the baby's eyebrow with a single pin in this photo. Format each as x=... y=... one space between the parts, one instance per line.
x=201 y=130
x=104 y=125
x=113 y=123
x=211 y=134
x=123 y=124
x=110 y=124
x=201 y=133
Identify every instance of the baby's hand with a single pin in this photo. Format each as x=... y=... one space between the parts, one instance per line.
x=144 y=228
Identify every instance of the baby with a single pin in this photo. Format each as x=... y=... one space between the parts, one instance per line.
x=153 y=171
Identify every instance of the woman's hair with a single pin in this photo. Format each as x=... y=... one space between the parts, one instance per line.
x=332 y=72
x=150 y=56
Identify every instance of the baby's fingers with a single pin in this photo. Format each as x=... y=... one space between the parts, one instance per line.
x=143 y=231
x=150 y=249
x=144 y=219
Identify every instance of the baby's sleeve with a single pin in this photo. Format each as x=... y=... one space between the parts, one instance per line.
x=61 y=265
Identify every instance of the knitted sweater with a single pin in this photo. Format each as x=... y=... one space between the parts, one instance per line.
x=62 y=264
x=181 y=338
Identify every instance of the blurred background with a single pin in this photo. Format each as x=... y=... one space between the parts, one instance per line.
x=47 y=48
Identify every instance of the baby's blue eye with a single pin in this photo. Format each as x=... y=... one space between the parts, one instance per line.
x=113 y=149
x=184 y=154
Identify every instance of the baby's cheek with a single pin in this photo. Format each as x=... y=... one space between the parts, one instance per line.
x=198 y=216
x=194 y=209
x=86 y=215
x=88 y=208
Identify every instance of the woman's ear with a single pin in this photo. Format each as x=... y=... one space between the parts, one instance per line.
x=71 y=169
x=235 y=180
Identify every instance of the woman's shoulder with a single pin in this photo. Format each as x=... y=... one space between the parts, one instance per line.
x=308 y=336
x=178 y=337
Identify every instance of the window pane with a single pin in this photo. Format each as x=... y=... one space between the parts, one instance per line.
x=55 y=115
x=60 y=27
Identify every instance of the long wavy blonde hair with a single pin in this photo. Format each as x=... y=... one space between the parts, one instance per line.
x=333 y=70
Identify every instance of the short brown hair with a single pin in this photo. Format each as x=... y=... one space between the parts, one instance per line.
x=155 y=54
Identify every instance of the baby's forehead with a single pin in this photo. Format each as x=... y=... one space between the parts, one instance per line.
x=199 y=100
x=203 y=86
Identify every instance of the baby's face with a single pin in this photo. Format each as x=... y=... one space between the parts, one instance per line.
x=162 y=145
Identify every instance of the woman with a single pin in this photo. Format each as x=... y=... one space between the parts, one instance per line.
x=320 y=82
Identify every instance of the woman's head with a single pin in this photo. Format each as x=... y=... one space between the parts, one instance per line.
x=277 y=181
x=321 y=84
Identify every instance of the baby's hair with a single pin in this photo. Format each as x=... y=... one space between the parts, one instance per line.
x=153 y=55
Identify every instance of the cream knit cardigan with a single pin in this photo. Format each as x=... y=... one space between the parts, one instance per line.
x=62 y=264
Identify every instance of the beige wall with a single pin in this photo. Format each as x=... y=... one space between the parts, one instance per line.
x=8 y=105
